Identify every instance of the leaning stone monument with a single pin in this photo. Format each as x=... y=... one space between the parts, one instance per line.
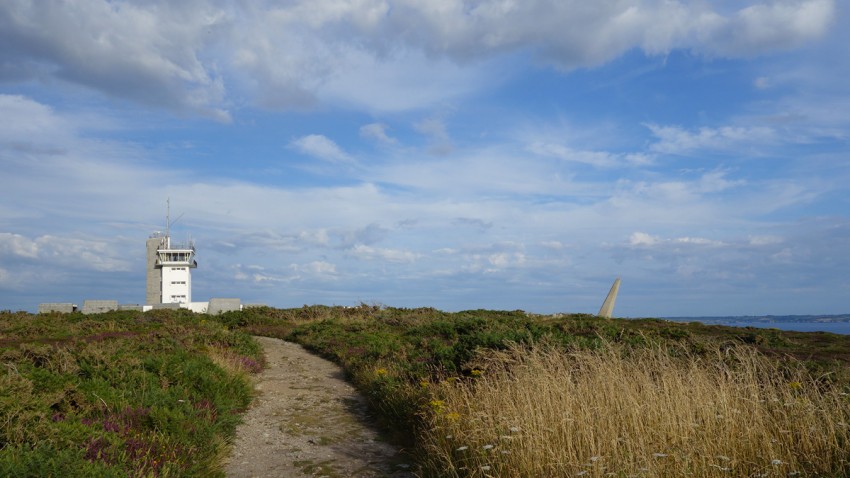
x=608 y=306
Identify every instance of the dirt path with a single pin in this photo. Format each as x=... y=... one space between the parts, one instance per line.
x=308 y=421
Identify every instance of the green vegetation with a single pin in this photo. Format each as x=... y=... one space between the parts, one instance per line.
x=452 y=385
x=158 y=394
x=120 y=394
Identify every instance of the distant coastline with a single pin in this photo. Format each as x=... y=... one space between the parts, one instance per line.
x=836 y=324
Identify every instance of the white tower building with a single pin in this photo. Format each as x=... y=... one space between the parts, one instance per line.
x=169 y=266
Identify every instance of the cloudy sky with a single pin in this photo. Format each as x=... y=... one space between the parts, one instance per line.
x=459 y=154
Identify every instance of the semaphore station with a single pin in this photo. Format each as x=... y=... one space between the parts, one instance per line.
x=168 y=282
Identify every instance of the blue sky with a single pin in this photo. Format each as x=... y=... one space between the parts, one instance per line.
x=455 y=154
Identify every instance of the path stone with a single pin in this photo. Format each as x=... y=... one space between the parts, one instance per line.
x=307 y=421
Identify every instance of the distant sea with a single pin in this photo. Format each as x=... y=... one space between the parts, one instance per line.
x=836 y=324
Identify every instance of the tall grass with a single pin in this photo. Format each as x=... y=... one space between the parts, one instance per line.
x=399 y=357
x=541 y=411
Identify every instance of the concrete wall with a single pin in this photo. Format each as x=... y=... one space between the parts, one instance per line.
x=166 y=306
x=135 y=307
x=220 y=305
x=198 y=307
x=64 y=307
x=153 y=287
x=99 y=306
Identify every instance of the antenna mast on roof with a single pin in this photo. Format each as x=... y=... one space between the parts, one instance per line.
x=168 y=217
x=168 y=222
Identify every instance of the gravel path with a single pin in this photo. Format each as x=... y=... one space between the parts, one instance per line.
x=308 y=421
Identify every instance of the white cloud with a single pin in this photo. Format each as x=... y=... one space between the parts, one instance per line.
x=206 y=56
x=377 y=132
x=716 y=181
x=294 y=274
x=504 y=259
x=698 y=241
x=17 y=245
x=33 y=122
x=642 y=239
x=765 y=27
x=403 y=79
x=572 y=33
x=145 y=53
x=765 y=240
x=762 y=83
x=435 y=129
x=677 y=140
x=485 y=171
x=59 y=156
x=319 y=268
x=598 y=159
x=258 y=277
x=318 y=237
x=487 y=263
x=320 y=147
x=554 y=245
x=52 y=251
x=365 y=252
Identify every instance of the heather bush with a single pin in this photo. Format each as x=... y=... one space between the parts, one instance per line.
x=120 y=394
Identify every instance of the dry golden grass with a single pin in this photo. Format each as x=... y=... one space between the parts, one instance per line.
x=543 y=412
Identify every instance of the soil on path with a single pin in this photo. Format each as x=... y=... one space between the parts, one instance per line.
x=308 y=421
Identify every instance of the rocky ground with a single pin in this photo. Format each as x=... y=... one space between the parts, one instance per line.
x=307 y=421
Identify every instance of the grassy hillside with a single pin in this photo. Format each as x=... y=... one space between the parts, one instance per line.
x=120 y=394
x=474 y=393
x=505 y=393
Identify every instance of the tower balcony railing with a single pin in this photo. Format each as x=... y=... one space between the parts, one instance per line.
x=183 y=246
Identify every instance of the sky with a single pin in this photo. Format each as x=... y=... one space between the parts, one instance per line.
x=494 y=154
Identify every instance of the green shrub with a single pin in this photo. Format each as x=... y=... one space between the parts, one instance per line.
x=120 y=394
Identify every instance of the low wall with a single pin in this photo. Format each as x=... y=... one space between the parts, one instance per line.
x=220 y=305
x=198 y=307
x=63 y=307
x=173 y=306
x=99 y=306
